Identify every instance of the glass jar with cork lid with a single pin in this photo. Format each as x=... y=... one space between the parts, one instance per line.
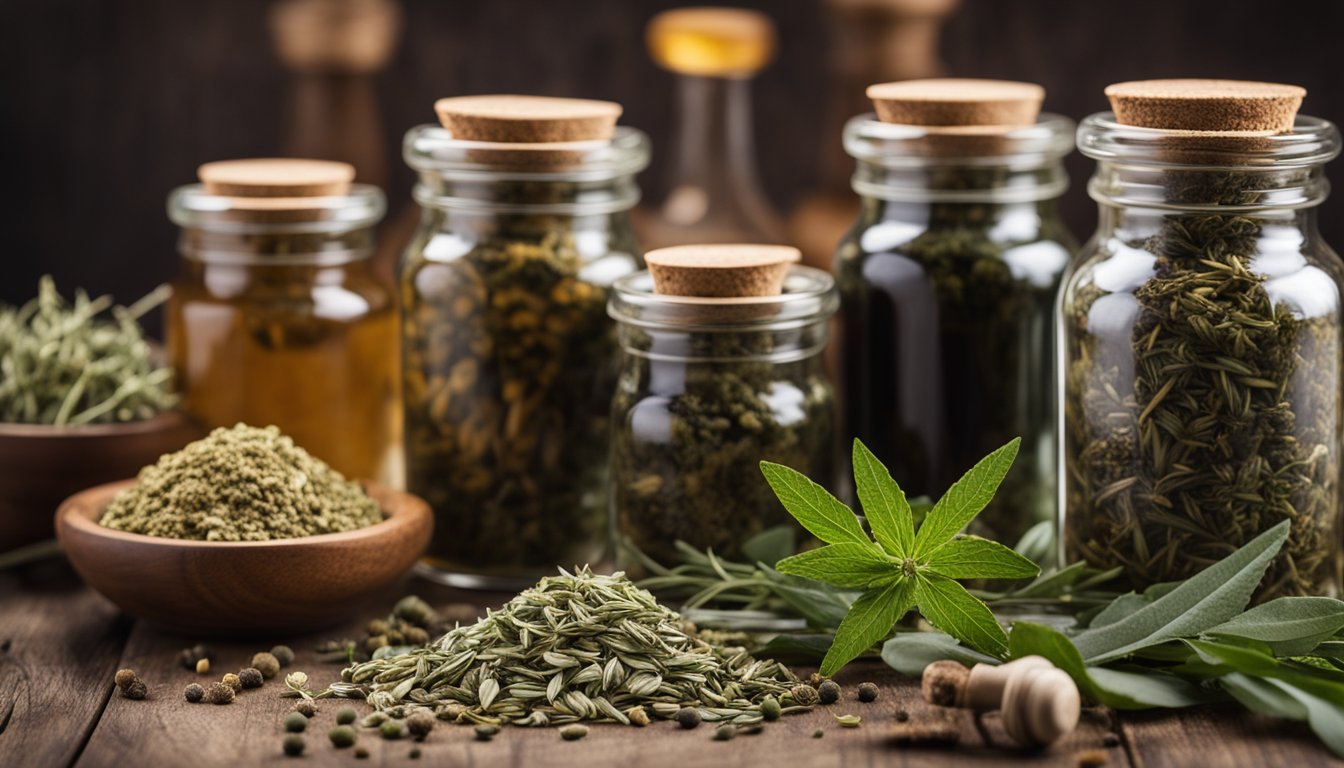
x=722 y=370
x=278 y=317
x=1200 y=338
x=948 y=282
x=509 y=358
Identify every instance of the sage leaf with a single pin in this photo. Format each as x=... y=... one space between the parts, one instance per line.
x=1038 y=543
x=971 y=557
x=868 y=621
x=884 y=503
x=964 y=500
x=1292 y=626
x=1118 y=689
x=771 y=545
x=845 y=565
x=1257 y=695
x=1325 y=718
x=949 y=607
x=910 y=652
x=1201 y=602
x=813 y=506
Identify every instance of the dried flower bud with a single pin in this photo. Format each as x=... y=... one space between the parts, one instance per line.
x=868 y=692
x=250 y=677
x=283 y=654
x=304 y=707
x=638 y=716
x=220 y=693
x=295 y=722
x=342 y=736
x=293 y=745
x=233 y=681
x=804 y=695
x=829 y=692
x=267 y=664
x=688 y=717
x=194 y=693
x=573 y=732
x=815 y=679
x=135 y=690
x=296 y=680
x=125 y=677
x=451 y=711
x=421 y=723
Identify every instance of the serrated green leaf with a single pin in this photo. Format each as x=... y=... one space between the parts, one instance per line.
x=910 y=652
x=883 y=503
x=868 y=621
x=964 y=500
x=949 y=607
x=1118 y=689
x=971 y=557
x=1201 y=602
x=1292 y=626
x=845 y=565
x=814 y=507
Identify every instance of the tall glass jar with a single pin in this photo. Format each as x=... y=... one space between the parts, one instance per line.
x=947 y=284
x=1200 y=357
x=278 y=318
x=509 y=358
x=709 y=388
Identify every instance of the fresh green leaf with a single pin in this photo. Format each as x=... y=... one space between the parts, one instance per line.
x=910 y=652
x=845 y=565
x=1326 y=718
x=821 y=604
x=1038 y=543
x=868 y=621
x=1292 y=626
x=793 y=648
x=883 y=503
x=1201 y=602
x=1118 y=689
x=771 y=545
x=964 y=500
x=813 y=506
x=949 y=607
x=971 y=557
x=1258 y=695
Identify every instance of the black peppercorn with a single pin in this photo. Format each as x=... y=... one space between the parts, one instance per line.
x=293 y=745
x=828 y=692
x=250 y=677
x=868 y=692
x=688 y=717
x=194 y=693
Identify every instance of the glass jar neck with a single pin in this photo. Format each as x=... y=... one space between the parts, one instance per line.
x=497 y=194
x=981 y=183
x=315 y=250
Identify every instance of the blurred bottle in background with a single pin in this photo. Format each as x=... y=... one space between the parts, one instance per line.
x=714 y=194
x=334 y=50
x=872 y=41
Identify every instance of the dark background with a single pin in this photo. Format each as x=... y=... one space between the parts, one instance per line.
x=108 y=105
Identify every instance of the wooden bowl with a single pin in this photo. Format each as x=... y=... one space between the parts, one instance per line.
x=40 y=466
x=219 y=588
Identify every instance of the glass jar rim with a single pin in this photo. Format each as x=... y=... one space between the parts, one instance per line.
x=191 y=207
x=809 y=296
x=894 y=145
x=433 y=149
x=1312 y=141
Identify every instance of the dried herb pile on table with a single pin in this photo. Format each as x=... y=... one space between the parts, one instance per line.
x=575 y=647
x=62 y=364
x=1214 y=420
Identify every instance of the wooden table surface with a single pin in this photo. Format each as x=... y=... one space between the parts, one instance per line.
x=61 y=643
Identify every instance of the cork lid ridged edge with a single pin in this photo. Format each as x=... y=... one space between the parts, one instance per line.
x=1223 y=106
x=721 y=270
x=276 y=177
x=527 y=119
x=957 y=102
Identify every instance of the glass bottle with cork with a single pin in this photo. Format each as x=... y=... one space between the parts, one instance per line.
x=1200 y=338
x=278 y=317
x=714 y=194
x=722 y=370
x=509 y=357
x=948 y=282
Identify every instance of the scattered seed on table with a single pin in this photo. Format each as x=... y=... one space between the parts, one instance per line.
x=414 y=754
x=233 y=681
x=361 y=753
x=295 y=722
x=251 y=677
x=135 y=690
x=902 y=716
x=374 y=719
x=421 y=723
x=220 y=693
x=194 y=693
x=868 y=692
x=304 y=707
x=848 y=721
x=345 y=716
x=267 y=664
x=828 y=692
x=688 y=717
x=817 y=734
x=770 y=708
x=573 y=732
x=638 y=716
x=283 y=654
x=486 y=732
x=293 y=745
x=125 y=677
x=804 y=695
x=393 y=730
x=342 y=736
x=202 y=666
x=725 y=732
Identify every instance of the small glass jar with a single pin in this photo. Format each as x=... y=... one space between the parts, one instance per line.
x=1200 y=357
x=710 y=388
x=947 y=284
x=279 y=318
x=509 y=357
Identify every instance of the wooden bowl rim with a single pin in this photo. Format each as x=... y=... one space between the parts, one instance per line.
x=164 y=421
x=400 y=509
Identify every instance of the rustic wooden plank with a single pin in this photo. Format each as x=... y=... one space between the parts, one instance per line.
x=165 y=729
x=59 y=647
x=1219 y=737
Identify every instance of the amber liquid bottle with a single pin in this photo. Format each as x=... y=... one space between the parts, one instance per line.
x=713 y=194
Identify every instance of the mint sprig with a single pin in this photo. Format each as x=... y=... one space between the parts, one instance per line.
x=901 y=568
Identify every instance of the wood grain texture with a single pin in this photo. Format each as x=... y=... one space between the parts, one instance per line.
x=1220 y=737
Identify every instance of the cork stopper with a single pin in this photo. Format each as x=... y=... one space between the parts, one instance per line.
x=1206 y=105
x=527 y=119
x=943 y=682
x=276 y=178
x=1040 y=706
x=721 y=271
x=957 y=102
x=711 y=42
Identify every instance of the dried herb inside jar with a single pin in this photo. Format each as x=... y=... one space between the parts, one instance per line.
x=686 y=463
x=509 y=363
x=948 y=344
x=1214 y=418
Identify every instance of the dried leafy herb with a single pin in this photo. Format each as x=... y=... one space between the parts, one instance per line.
x=691 y=430
x=509 y=363
x=1203 y=407
x=947 y=309
x=61 y=364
